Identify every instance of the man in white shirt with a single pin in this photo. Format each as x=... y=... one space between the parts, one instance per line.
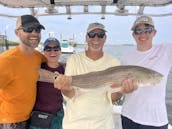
x=145 y=107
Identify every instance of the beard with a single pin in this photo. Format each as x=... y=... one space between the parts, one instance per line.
x=95 y=46
x=32 y=43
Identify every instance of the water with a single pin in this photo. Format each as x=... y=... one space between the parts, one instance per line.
x=117 y=51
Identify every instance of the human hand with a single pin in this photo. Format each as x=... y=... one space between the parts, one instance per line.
x=128 y=86
x=63 y=82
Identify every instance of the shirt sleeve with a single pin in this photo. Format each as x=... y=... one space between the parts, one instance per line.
x=69 y=70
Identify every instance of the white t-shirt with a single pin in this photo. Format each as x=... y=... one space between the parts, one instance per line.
x=88 y=110
x=146 y=105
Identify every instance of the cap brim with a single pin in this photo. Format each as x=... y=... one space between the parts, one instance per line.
x=42 y=27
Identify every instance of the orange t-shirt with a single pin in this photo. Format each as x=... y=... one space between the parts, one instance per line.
x=18 y=77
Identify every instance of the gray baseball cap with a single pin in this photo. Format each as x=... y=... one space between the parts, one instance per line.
x=142 y=20
x=94 y=26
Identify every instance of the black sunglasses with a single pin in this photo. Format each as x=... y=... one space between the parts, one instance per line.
x=55 y=48
x=146 y=30
x=93 y=35
x=31 y=29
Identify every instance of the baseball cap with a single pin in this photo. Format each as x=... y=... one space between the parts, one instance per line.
x=50 y=40
x=28 y=21
x=142 y=20
x=94 y=26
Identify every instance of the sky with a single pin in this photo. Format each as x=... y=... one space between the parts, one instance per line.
x=118 y=27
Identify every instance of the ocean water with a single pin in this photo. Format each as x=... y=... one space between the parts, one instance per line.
x=117 y=51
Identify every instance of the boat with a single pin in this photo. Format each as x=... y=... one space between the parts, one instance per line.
x=52 y=7
x=67 y=47
x=40 y=8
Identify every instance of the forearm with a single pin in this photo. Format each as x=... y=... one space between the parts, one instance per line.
x=68 y=94
x=115 y=97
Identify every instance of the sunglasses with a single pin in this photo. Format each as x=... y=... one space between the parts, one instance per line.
x=49 y=49
x=31 y=29
x=146 y=30
x=93 y=35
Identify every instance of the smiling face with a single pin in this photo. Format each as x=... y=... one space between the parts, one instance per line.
x=96 y=43
x=143 y=36
x=28 y=39
x=52 y=53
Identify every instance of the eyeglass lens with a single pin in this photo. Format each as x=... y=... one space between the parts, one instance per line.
x=93 y=35
x=55 y=48
x=31 y=29
x=146 y=30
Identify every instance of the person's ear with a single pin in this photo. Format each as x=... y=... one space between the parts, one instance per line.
x=133 y=34
x=16 y=32
x=155 y=31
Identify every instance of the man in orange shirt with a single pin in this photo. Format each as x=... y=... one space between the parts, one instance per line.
x=19 y=76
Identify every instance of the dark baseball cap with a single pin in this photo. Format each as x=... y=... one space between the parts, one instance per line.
x=28 y=21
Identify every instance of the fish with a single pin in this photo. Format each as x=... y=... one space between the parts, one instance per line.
x=111 y=76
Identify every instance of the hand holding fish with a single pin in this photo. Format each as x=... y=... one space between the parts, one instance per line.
x=127 y=86
x=63 y=83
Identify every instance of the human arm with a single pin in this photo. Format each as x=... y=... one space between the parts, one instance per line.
x=127 y=86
